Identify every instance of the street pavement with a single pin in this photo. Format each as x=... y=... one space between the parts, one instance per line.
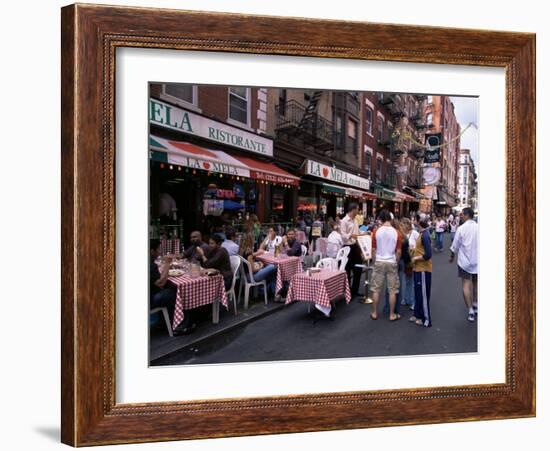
x=292 y=334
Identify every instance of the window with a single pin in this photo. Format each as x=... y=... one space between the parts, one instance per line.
x=380 y=121
x=368 y=120
x=238 y=104
x=282 y=102
x=338 y=125
x=352 y=135
x=183 y=92
x=379 y=169
x=368 y=164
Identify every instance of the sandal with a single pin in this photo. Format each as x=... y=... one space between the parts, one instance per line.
x=373 y=316
x=419 y=322
x=396 y=317
x=412 y=319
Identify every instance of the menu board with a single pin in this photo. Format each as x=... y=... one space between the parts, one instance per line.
x=365 y=243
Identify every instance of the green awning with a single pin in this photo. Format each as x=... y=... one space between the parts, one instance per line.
x=332 y=189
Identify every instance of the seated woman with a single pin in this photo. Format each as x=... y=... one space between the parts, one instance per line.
x=271 y=241
x=217 y=257
x=259 y=270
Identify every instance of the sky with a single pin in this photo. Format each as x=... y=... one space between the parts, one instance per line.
x=466 y=111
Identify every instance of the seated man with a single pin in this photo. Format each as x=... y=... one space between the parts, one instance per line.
x=334 y=241
x=291 y=246
x=271 y=241
x=229 y=244
x=161 y=292
x=217 y=257
x=196 y=242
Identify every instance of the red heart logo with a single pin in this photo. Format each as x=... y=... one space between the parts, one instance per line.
x=206 y=165
x=325 y=172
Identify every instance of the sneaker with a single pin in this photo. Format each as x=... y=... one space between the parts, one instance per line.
x=403 y=302
x=471 y=317
x=474 y=306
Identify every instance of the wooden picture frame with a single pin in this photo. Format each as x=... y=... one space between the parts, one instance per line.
x=90 y=36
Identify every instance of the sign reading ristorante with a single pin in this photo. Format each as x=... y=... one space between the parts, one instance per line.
x=175 y=118
x=336 y=175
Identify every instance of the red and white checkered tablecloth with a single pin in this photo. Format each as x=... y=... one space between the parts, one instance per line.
x=287 y=267
x=194 y=292
x=320 y=288
x=169 y=246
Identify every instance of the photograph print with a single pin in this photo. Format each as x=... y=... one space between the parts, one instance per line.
x=300 y=224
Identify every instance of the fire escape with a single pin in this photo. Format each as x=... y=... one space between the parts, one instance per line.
x=302 y=126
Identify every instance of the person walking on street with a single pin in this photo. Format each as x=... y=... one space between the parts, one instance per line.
x=465 y=245
x=422 y=267
x=440 y=226
x=350 y=231
x=453 y=225
x=386 y=247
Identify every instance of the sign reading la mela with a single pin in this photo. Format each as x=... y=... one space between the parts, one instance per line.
x=336 y=175
x=175 y=118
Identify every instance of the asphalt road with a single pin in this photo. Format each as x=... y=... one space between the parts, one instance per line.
x=292 y=334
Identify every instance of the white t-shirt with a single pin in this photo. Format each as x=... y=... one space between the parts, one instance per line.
x=465 y=244
x=386 y=242
x=413 y=236
x=440 y=226
x=334 y=243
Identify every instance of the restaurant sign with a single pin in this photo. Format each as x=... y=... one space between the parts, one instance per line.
x=208 y=165
x=169 y=116
x=336 y=175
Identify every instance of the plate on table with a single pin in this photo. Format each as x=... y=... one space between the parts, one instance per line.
x=175 y=272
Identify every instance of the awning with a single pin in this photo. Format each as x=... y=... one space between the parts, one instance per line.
x=261 y=170
x=386 y=194
x=445 y=198
x=197 y=157
x=414 y=193
x=405 y=197
x=333 y=189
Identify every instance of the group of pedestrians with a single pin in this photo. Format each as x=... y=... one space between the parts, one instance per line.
x=402 y=250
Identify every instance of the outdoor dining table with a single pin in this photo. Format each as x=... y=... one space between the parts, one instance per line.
x=287 y=267
x=321 y=287
x=194 y=291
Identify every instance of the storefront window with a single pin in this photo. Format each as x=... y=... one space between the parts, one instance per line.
x=238 y=104
x=307 y=205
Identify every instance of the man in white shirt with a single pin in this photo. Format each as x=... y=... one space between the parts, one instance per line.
x=386 y=243
x=465 y=245
x=334 y=241
x=350 y=231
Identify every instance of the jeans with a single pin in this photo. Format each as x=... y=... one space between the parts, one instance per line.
x=267 y=273
x=452 y=237
x=439 y=240
x=409 y=289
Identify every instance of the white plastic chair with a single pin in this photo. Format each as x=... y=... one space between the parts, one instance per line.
x=249 y=282
x=342 y=258
x=327 y=263
x=235 y=261
x=304 y=251
x=164 y=311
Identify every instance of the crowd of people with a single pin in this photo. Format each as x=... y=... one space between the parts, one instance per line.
x=402 y=256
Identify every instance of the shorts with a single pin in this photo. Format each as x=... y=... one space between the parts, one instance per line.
x=385 y=272
x=466 y=275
